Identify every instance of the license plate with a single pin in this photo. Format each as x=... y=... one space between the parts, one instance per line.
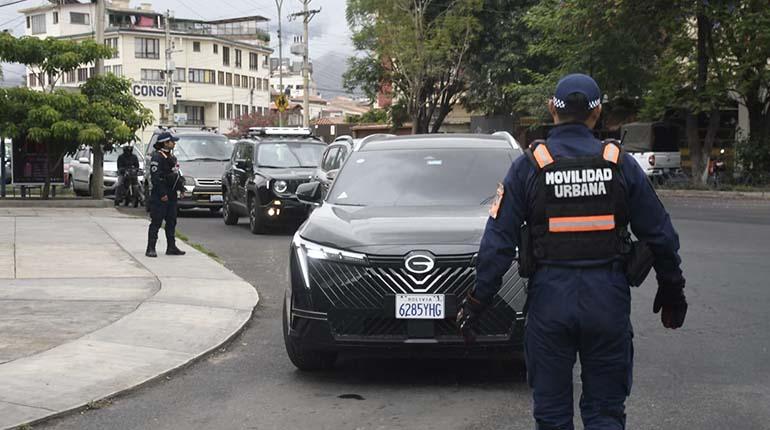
x=420 y=306
x=215 y=199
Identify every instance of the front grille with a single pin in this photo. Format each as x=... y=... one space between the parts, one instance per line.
x=292 y=184
x=208 y=182
x=358 y=298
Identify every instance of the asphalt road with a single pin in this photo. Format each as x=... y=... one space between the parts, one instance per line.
x=714 y=373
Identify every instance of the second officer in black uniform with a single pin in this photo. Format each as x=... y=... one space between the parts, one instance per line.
x=166 y=182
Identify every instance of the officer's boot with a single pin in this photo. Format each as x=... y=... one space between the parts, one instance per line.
x=151 y=240
x=173 y=250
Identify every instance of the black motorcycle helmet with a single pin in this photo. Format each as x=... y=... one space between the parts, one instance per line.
x=128 y=149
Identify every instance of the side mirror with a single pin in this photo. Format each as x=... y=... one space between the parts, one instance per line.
x=84 y=160
x=310 y=193
x=331 y=174
x=243 y=164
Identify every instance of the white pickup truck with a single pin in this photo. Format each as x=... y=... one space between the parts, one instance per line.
x=655 y=146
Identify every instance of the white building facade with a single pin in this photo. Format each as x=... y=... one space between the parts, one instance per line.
x=221 y=67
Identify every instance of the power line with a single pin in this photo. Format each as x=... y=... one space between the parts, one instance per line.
x=11 y=3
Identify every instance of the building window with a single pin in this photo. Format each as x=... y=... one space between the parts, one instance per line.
x=201 y=76
x=221 y=111
x=253 y=61
x=56 y=17
x=71 y=78
x=245 y=109
x=194 y=115
x=229 y=113
x=265 y=84
x=112 y=42
x=221 y=78
x=237 y=111
x=92 y=72
x=216 y=48
x=163 y=112
x=147 y=48
x=229 y=79
x=238 y=58
x=153 y=75
x=251 y=83
x=37 y=23
x=117 y=70
x=82 y=74
x=225 y=56
x=196 y=47
x=80 y=18
x=180 y=75
x=107 y=69
x=32 y=80
x=237 y=80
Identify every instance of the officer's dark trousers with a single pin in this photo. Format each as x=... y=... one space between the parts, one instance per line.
x=159 y=212
x=581 y=312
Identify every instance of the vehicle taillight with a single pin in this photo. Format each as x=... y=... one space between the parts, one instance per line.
x=651 y=160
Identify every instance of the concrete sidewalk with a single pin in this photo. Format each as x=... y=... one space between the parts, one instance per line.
x=85 y=315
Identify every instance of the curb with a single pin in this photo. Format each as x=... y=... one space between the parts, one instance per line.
x=729 y=195
x=213 y=292
x=72 y=204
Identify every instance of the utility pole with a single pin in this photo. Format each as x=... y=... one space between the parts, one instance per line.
x=307 y=15
x=99 y=32
x=170 y=70
x=279 y=5
x=97 y=190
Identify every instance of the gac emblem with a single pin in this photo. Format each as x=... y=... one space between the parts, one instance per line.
x=419 y=264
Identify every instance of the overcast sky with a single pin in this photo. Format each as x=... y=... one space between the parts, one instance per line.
x=329 y=34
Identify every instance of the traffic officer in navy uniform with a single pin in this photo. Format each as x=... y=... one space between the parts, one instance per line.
x=166 y=182
x=566 y=207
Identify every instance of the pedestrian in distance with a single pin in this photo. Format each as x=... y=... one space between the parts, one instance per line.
x=567 y=207
x=166 y=182
x=126 y=160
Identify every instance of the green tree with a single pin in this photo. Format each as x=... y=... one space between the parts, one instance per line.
x=420 y=47
x=111 y=118
x=50 y=58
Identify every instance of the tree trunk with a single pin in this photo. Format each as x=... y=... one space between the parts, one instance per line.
x=45 y=192
x=696 y=153
x=97 y=180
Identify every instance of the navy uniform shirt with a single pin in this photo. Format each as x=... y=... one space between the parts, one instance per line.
x=162 y=168
x=649 y=219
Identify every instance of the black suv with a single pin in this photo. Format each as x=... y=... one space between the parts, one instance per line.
x=263 y=174
x=385 y=258
x=202 y=156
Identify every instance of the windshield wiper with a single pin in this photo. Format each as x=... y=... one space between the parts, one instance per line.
x=267 y=166
x=207 y=159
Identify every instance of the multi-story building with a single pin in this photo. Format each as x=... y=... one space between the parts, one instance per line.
x=221 y=67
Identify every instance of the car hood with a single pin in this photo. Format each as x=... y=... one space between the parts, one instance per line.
x=203 y=169
x=397 y=230
x=293 y=173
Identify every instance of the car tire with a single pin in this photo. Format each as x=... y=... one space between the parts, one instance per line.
x=256 y=222
x=228 y=216
x=302 y=359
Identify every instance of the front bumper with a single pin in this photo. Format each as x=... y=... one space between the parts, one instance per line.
x=284 y=209
x=352 y=308
x=201 y=197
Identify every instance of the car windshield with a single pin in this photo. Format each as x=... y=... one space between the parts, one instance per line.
x=203 y=148
x=422 y=177
x=289 y=154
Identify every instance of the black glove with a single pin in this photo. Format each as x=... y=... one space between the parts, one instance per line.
x=671 y=299
x=468 y=316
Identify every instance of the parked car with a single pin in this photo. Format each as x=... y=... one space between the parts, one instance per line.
x=655 y=146
x=202 y=156
x=263 y=174
x=384 y=260
x=332 y=159
x=81 y=170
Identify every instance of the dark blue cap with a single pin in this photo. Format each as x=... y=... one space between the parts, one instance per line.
x=166 y=136
x=581 y=84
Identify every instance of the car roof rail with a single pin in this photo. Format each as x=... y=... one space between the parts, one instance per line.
x=345 y=137
x=281 y=132
x=371 y=138
x=509 y=138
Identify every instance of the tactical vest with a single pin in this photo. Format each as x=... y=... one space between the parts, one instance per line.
x=580 y=211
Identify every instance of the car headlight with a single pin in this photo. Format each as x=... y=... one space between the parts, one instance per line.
x=280 y=187
x=313 y=251
x=110 y=173
x=189 y=180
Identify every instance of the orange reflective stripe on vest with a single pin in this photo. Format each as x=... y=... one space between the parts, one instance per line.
x=581 y=223
x=611 y=153
x=542 y=156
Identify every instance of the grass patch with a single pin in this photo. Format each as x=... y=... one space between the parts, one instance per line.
x=200 y=248
x=98 y=404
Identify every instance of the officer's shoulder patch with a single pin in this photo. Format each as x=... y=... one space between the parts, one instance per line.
x=493 y=211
